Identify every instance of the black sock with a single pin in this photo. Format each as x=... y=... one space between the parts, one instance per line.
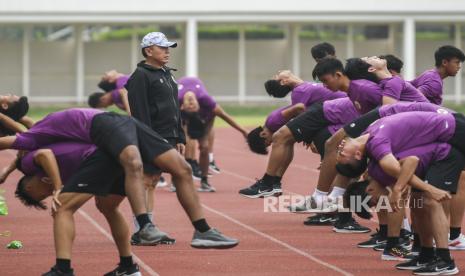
x=426 y=254
x=383 y=230
x=201 y=225
x=444 y=254
x=143 y=219
x=392 y=242
x=344 y=217
x=189 y=160
x=416 y=241
x=64 y=265
x=454 y=232
x=125 y=261
x=277 y=179
x=268 y=179
x=204 y=179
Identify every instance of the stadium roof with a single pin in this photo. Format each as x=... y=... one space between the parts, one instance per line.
x=75 y=11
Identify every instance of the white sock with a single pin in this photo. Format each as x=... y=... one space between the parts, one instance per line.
x=406 y=225
x=337 y=192
x=210 y=157
x=136 y=224
x=319 y=196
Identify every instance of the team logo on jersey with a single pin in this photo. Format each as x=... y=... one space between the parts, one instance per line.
x=161 y=81
x=442 y=111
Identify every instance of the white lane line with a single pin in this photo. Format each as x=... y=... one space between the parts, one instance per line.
x=143 y=265
x=273 y=239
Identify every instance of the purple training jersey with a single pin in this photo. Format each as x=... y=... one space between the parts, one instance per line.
x=407 y=130
x=69 y=156
x=426 y=155
x=309 y=93
x=275 y=119
x=340 y=111
x=391 y=109
x=430 y=84
x=206 y=102
x=68 y=125
x=397 y=88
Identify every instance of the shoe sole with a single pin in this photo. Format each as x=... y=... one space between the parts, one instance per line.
x=456 y=248
x=206 y=191
x=164 y=241
x=318 y=223
x=262 y=195
x=444 y=272
x=409 y=267
x=343 y=231
x=392 y=258
x=367 y=246
x=213 y=245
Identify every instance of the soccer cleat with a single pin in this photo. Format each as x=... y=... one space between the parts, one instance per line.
x=396 y=253
x=258 y=189
x=150 y=235
x=458 y=243
x=213 y=167
x=438 y=267
x=54 y=271
x=212 y=239
x=206 y=187
x=162 y=182
x=413 y=264
x=375 y=240
x=351 y=226
x=321 y=220
x=125 y=271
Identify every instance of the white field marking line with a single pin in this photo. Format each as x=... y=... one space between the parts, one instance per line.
x=144 y=266
x=297 y=166
x=275 y=240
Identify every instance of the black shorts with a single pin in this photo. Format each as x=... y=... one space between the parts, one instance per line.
x=458 y=139
x=305 y=126
x=320 y=139
x=445 y=174
x=113 y=132
x=100 y=174
x=358 y=126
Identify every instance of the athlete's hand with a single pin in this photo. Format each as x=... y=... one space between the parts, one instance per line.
x=438 y=194
x=55 y=202
x=181 y=148
x=394 y=199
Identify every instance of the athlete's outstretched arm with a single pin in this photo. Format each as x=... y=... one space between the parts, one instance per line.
x=45 y=158
x=219 y=111
x=27 y=121
x=293 y=111
x=10 y=124
x=124 y=97
x=6 y=142
x=7 y=171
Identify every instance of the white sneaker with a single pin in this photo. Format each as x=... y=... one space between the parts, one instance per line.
x=162 y=182
x=458 y=243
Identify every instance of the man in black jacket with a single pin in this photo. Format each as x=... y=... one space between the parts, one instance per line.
x=153 y=99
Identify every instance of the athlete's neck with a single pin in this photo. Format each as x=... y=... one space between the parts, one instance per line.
x=442 y=72
x=383 y=74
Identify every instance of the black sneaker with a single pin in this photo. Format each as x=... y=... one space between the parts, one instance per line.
x=351 y=226
x=321 y=220
x=375 y=240
x=125 y=271
x=277 y=190
x=438 y=267
x=213 y=167
x=406 y=235
x=397 y=253
x=412 y=264
x=259 y=189
x=402 y=242
x=54 y=271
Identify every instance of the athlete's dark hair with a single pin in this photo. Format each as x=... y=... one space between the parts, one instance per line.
x=447 y=52
x=94 y=99
x=326 y=66
x=393 y=63
x=356 y=69
x=323 y=50
x=17 y=110
x=357 y=189
x=196 y=127
x=256 y=142
x=353 y=169
x=24 y=197
x=107 y=86
x=276 y=90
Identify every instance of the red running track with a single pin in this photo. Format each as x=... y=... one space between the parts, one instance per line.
x=271 y=243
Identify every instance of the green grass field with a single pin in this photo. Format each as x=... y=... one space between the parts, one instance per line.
x=247 y=116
